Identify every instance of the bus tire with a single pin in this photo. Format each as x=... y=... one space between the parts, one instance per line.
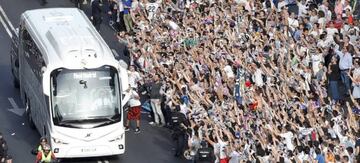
x=16 y=83
x=28 y=114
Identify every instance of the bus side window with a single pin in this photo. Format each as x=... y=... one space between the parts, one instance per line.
x=34 y=56
x=26 y=40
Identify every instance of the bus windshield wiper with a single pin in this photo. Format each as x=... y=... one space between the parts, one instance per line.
x=104 y=123
x=101 y=118
x=67 y=124
x=107 y=121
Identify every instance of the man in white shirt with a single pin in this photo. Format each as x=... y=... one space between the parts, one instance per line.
x=229 y=72
x=258 y=78
x=134 y=111
x=171 y=24
x=234 y=157
x=303 y=10
x=281 y=4
x=293 y=22
x=151 y=8
x=288 y=140
x=134 y=77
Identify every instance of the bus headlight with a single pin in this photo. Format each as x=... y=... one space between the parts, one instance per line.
x=118 y=138
x=58 y=141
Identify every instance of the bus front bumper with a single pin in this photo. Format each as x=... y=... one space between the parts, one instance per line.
x=62 y=151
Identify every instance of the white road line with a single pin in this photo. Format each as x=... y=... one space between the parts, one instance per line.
x=13 y=103
x=99 y=161
x=106 y=161
x=115 y=52
x=7 y=19
x=5 y=26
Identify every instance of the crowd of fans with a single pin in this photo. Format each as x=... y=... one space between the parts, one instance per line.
x=258 y=80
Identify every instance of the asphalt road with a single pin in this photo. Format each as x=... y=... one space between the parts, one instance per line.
x=152 y=145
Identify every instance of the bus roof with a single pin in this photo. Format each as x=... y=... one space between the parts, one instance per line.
x=66 y=38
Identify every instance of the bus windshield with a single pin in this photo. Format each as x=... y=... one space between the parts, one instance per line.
x=85 y=98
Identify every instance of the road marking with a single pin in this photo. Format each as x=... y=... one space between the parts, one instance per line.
x=99 y=161
x=13 y=103
x=115 y=53
x=106 y=161
x=7 y=19
x=5 y=26
x=15 y=108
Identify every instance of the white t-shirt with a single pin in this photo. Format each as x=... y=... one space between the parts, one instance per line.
x=235 y=157
x=322 y=43
x=332 y=133
x=316 y=59
x=184 y=109
x=314 y=19
x=222 y=148
x=229 y=71
x=281 y=4
x=258 y=78
x=134 y=77
x=293 y=23
x=348 y=7
x=314 y=33
x=151 y=9
x=121 y=5
x=303 y=157
x=217 y=151
x=133 y=101
x=134 y=5
x=302 y=9
x=322 y=22
x=305 y=131
x=331 y=31
x=288 y=140
x=173 y=25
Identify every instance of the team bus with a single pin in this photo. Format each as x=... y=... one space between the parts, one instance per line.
x=71 y=84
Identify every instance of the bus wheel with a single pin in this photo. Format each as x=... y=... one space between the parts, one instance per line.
x=16 y=83
x=28 y=114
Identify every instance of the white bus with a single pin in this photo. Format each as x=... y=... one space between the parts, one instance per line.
x=70 y=83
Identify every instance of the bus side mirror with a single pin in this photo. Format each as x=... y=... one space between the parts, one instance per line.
x=124 y=79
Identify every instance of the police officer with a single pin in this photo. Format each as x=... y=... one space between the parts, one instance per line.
x=46 y=155
x=205 y=152
x=179 y=123
x=4 y=157
x=43 y=142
